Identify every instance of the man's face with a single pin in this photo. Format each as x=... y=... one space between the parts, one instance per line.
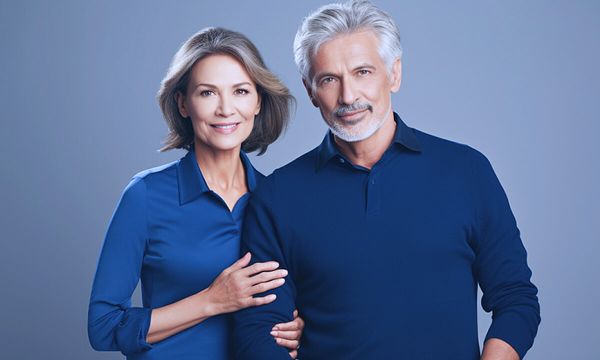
x=351 y=85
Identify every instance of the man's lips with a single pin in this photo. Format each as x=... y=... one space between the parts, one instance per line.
x=352 y=115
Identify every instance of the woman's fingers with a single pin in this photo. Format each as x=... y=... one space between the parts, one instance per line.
x=287 y=335
x=296 y=324
x=263 y=300
x=259 y=267
x=293 y=354
x=268 y=276
x=288 y=326
x=290 y=344
x=265 y=286
x=241 y=263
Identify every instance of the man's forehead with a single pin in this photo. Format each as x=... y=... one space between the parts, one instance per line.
x=348 y=50
x=365 y=38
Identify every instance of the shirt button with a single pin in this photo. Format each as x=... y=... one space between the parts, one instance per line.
x=373 y=182
x=342 y=160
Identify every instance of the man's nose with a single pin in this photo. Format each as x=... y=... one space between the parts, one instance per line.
x=348 y=95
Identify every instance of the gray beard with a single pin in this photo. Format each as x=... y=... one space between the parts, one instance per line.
x=343 y=134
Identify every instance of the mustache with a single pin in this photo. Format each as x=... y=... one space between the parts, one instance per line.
x=356 y=106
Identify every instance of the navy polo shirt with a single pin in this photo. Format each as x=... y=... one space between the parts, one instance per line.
x=175 y=235
x=384 y=263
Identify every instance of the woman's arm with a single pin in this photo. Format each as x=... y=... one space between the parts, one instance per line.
x=232 y=290
x=113 y=324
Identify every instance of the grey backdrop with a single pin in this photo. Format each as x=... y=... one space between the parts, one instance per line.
x=518 y=80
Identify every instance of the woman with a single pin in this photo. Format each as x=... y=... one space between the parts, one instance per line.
x=177 y=227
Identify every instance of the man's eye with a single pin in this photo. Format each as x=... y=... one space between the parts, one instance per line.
x=363 y=72
x=206 y=93
x=327 y=80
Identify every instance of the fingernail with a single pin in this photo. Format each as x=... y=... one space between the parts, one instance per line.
x=284 y=272
x=274 y=333
x=275 y=328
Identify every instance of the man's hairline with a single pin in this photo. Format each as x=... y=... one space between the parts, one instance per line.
x=389 y=67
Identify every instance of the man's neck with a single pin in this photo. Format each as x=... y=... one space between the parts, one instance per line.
x=367 y=152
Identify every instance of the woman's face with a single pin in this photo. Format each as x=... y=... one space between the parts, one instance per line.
x=221 y=101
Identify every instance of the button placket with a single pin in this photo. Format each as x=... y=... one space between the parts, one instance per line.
x=373 y=193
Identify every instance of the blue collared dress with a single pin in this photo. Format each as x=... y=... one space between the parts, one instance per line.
x=175 y=235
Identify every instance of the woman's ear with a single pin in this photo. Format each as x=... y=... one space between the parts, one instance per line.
x=180 y=99
x=258 y=105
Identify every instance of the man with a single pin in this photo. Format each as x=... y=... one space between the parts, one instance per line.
x=386 y=231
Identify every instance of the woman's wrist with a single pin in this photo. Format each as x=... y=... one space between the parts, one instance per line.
x=205 y=304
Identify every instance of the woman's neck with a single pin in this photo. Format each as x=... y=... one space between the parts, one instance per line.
x=222 y=169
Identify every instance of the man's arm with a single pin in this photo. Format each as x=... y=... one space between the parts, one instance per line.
x=496 y=349
x=261 y=236
x=501 y=269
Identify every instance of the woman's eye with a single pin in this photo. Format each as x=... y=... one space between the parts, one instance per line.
x=242 y=92
x=206 y=93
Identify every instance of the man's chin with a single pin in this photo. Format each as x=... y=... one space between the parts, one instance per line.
x=348 y=134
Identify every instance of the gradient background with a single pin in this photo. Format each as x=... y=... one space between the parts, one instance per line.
x=518 y=80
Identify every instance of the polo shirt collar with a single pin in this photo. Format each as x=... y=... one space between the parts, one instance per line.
x=192 y=183
x=403 y=136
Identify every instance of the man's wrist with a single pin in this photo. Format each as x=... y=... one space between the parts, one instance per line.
x=497 y=349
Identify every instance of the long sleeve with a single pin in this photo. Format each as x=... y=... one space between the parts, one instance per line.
x=113 y=324
x=501 y=264
x=262 y=237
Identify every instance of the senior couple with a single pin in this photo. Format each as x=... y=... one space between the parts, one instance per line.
x=370 y=246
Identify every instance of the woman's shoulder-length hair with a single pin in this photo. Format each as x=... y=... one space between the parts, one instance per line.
x=276 y=100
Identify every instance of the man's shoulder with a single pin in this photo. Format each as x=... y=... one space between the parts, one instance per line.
x=290 y=176
x=445 y=149
x=302 y=166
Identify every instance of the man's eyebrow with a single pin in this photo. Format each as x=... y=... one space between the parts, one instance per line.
x=324 y=74
x=364 y=66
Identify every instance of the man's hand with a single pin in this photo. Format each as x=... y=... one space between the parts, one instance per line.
x=496 y=349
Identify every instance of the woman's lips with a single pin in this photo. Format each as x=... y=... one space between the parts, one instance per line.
x=225 y=128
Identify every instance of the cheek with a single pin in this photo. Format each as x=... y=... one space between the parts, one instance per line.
x=327 y=100
x=200 y=109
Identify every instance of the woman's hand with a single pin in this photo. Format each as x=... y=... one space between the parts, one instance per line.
x=234 y=288
x=288 y=334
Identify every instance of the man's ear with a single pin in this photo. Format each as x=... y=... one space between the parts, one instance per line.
x=396 y=75
x=180 y=99
x=309 y=90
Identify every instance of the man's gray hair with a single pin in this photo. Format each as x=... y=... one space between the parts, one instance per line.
x=336 y=19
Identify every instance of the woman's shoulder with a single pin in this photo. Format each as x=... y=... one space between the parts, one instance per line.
x=158 y=171
x=153 y=178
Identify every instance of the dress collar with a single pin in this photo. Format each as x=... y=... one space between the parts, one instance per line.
x=192 y=183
